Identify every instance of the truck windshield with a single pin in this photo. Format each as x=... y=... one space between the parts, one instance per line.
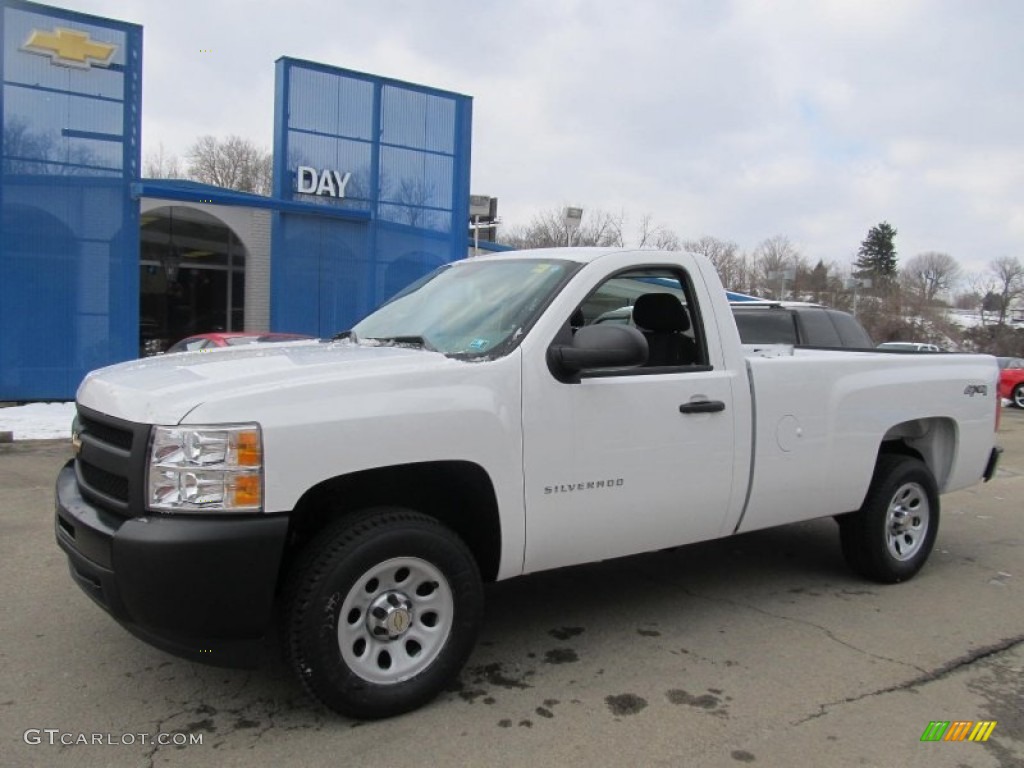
x=469 y=309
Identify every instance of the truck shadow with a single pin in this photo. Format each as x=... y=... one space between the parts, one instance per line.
x=534 y=625
x=543 y=635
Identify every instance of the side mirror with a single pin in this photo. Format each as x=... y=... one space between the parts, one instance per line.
x=598 y=346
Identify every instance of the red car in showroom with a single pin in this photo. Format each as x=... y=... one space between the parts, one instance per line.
x=230 y=339
x=1011 y=379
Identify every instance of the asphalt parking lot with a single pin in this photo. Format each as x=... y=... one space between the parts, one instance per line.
x=761 y=649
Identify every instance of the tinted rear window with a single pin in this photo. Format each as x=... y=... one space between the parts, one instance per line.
x=765 y=326
x=850 y=331
x=818 y=329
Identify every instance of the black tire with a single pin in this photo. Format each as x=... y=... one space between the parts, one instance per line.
x=383 y=610
x=1017 y=396
x=890 y=538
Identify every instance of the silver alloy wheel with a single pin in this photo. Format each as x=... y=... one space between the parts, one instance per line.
x=395 y=620
x=906 y=521
x=1018 y=396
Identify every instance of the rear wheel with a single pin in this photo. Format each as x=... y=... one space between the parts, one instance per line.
x=383 y=611
x=890 y=538
x=1017 y=396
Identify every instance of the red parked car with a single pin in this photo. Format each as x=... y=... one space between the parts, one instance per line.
x=1011 y=379
x=230 y=339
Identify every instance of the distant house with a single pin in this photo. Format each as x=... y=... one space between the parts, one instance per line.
x=1015 y=312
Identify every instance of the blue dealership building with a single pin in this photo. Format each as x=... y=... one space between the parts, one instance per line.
x=370 y=192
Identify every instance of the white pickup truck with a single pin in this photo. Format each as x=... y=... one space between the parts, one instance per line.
x=477 y=427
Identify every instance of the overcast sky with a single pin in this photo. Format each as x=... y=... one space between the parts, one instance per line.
x=814 y=119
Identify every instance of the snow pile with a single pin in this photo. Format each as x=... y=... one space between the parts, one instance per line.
x=38 y=421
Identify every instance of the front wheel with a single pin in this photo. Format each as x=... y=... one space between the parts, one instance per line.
x=889 y=539
x=383 y=611
x=1017 y=396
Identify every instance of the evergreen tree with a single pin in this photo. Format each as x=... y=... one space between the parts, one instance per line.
x=876 y=258
x=819 y=277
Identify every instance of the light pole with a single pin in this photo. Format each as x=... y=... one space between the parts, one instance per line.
x=572 y=218
x=855 y=283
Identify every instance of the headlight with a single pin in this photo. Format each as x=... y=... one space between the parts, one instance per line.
x=206 y=469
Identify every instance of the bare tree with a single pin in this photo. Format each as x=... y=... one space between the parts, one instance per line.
x=730 y=264
x=161 y=165
x=980 y=285
x=773 y=256
x=1008 y=275
x=415 y=195
x=234 y=162
x=928 y=274
x=967 y=300
x=657 y=236
x=38 y=153
x=25 y=149
x=549 y=230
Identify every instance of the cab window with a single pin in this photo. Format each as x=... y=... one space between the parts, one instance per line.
x=659 y=303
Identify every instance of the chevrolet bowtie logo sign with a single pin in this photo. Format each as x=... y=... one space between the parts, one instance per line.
x=70 y=48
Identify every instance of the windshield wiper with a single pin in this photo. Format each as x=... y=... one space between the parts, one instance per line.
x=411 y=341
x=344 y=335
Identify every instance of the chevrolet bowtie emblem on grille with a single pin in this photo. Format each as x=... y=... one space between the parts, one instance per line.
x=70 y=48
x=76 y=442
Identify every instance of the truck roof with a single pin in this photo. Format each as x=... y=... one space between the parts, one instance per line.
x=590 y=254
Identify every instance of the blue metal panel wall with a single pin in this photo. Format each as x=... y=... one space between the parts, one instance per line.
x=408 y=150
x=69 y=238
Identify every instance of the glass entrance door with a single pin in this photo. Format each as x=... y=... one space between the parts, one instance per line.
x=192 y=277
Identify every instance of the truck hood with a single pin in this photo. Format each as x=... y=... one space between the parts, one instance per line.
x=164 y=389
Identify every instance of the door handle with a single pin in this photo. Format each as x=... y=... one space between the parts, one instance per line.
x=702 y=406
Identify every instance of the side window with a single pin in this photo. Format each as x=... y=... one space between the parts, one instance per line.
x=659 y=303
x=818 y=329
x=765 y=326
x=850 y=331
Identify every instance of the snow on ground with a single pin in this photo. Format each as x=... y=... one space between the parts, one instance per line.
x=38 y=421
x=965 y=319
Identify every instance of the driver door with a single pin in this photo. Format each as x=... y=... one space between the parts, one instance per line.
x=613 y=466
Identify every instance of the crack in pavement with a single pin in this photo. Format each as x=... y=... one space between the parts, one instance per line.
x=150 y=756
x=827 y=632
x=927 y=677
x=824 y=630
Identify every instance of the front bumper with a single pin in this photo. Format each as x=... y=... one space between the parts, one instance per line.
x=199 y=587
